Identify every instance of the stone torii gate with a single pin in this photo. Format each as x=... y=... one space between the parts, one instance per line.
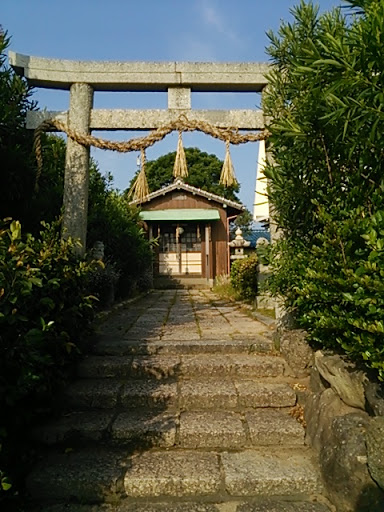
x=178 y=79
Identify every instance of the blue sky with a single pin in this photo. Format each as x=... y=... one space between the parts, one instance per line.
x=151 y=30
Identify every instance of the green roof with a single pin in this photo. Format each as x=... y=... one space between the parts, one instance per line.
x=181 y=214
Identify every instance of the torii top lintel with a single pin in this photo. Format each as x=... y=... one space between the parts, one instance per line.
x=142 y=76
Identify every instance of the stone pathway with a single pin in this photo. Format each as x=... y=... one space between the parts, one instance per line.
x=182 y=406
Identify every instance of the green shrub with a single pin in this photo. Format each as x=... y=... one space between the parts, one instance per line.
x=116 y=224
x=102 y=283
x=44 y=314
x=327 y=181
x=244 y=277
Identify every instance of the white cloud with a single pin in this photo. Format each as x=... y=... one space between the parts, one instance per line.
x=197 y=50
x=214 y=18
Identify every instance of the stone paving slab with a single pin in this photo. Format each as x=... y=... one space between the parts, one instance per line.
x=158 y=367
x=210 y=315
x=88 y=425
x=215 y=323
x=282 y=506
x=100 y=394
x=274 y=427
x=205 y=365
x=122 y=347
x=144 y=334
x=181 y=322
x=230 y=506
x=242 y=365
x=184 y=473
x=180 y=334
x=219 y=430
x=255 y=338
x=74 y=507
x=141 y=393
x=169 y=507
x=146 y=428
x=255 y=365
x=262 y=394
x=151 y=319
x=215 y=334
x=209 y=394
x=210 y=346
x=279 y=473
x=88 y=476
x=249 y=330
x=117 y=322
x=105 y=367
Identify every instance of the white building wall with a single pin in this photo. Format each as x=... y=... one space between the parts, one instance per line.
x=261 y=205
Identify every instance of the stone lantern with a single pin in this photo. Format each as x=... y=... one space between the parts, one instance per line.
x=238 y=244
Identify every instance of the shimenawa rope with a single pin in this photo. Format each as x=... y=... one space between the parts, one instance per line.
x=181 y=124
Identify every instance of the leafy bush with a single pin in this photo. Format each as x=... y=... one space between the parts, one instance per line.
x=44 y=314
x=102 y=282
x=224 y=288
x=325 y=101
x=244 y=277
x=110 y=220
x=117 y=225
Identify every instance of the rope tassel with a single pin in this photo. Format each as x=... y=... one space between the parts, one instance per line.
x=140 y=189
x=180 y=169
x=227 y=177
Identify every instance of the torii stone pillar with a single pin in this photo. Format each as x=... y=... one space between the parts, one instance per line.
x=76 y=176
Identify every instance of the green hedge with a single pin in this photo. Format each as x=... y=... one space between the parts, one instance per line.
x=45 y=311
x=327 y=183
x=244 y=277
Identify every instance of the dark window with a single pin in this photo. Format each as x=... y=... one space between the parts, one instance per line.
x=189 y=240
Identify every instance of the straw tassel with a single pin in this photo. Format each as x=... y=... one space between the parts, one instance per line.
x=180 y=169
x=140 y=189
x=227 y=177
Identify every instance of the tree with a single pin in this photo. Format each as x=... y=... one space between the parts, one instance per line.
x=244 y=222
x=15 y=141
x=204 y=172
x=325 y=104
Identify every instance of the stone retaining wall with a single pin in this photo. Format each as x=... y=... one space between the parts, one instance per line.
x=344 y=412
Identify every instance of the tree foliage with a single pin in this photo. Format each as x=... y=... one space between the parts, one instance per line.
x=243 y=221
x=17 y=167
x=327 y=122
x=203 y=172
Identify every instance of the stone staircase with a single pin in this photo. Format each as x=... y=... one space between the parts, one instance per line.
x=177 y=422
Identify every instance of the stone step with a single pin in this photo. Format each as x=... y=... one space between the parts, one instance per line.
x=220 y=430
x=169 y=366
x=252 y=505
x=216 y=394
x=99 y=476
x=237 y=395
x=229 y=430
x=248 y=473
x=118 y=346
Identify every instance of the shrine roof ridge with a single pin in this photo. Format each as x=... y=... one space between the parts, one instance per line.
x=180 y=185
